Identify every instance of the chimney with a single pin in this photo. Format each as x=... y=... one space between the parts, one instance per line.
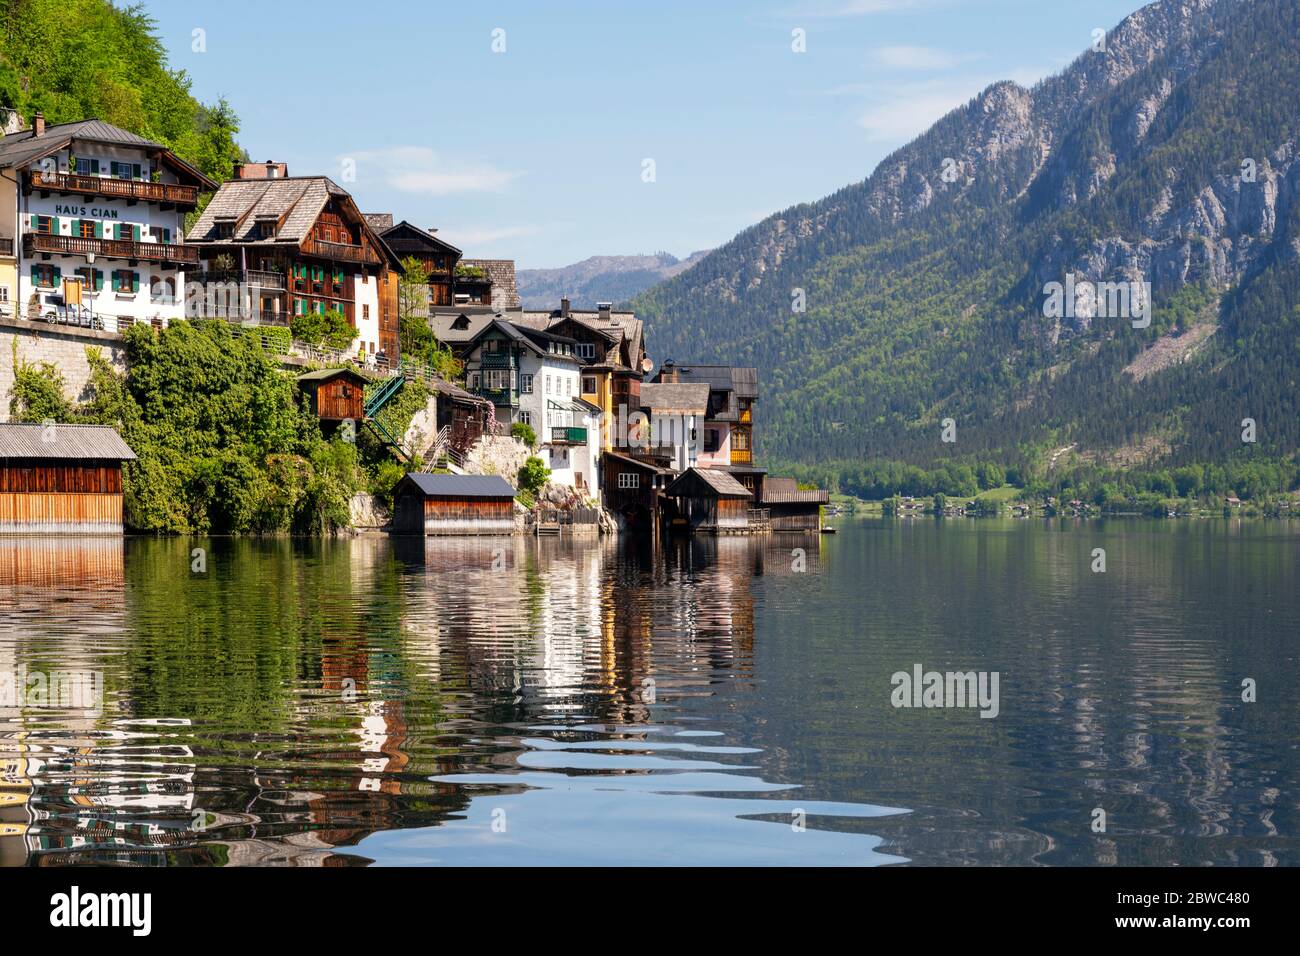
x=604 y=309
x=38 y=124
x=564 y=307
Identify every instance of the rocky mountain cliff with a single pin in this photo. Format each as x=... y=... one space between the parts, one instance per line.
x=1165 y=158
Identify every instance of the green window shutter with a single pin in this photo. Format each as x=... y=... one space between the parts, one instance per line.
x=36 y=222
x=36 y=275
x=117 y=230
x=99 y=280
x=76 y=227
x=58 y=275
x=94 y=166
x=99 y=230
x=135 y=282
x=117 y=282
x=135 y=171
x=112 y=167
x=135 y=233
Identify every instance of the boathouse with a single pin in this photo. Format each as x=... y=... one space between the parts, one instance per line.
x=710 y=500
x=61 y=479
x=336 y=394
x=792 y=508
x=453 y=504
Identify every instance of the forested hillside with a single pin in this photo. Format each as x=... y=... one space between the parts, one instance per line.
x=78 y=59
x=925 y=292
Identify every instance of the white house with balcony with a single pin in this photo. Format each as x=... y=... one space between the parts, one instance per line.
x=534 y=377
x=91 y=225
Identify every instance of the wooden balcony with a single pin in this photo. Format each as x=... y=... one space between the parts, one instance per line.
x=166 y=252
x=742 y=456
x=131 y=190
x=497 y=359
x=339 y=251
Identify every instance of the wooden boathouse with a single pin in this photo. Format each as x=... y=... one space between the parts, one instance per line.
x=792 y=508
x=710 y=500
x=453 y=504
x=336 y=394
x=61 y=479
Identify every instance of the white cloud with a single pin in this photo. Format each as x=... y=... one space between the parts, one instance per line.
x=421 y=170
x=857 y=8
x=919 y=58
x=486 y=235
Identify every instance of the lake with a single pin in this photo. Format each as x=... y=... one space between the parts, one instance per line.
x=715 y=701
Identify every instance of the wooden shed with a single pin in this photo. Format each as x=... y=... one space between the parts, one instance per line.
x=336 y=394
x=453 y=504
x=710 y=500
x=61 y=479
x=792 y=508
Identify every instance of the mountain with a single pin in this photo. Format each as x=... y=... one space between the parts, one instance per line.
x=599 y=279
x=1167 y=158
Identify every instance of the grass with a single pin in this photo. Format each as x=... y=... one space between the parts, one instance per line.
x=1004 y=494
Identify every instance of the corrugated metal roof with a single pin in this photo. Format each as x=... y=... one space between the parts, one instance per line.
x=67 y=441
x=462 y=486
x=786 y=491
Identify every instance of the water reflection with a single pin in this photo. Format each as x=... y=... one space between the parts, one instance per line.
x=710 y=701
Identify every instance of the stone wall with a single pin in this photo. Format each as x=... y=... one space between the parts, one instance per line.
x=59 y=345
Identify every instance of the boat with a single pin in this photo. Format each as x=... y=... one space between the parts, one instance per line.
x=828 y=530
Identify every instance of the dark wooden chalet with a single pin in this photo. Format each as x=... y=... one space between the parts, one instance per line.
x=61 y=479
x=466 y=416
x=710 y=500
x=435 y=255
x=792 y=508
x=633 y=489
x=336 y=394
x=427 y=504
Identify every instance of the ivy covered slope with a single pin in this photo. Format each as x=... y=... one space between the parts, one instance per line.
x=78 y=59
x=925 y=296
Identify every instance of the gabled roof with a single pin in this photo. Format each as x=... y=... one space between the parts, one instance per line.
x=443 y=326
x=407 y=238
x=381 y=222
x=99 y=442
x=505 y=290
x=325 y=374
x=682 y=399
x=461 y=486
x=23 y=147
x=709 y=481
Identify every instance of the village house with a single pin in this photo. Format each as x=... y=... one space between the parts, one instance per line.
x=61 y=479
x=292 y=245
x=791 y=508
x=91 y=222
x=610 y=346
x=675 y=414
x=710 y=501
x=437 y=256
x=335 y=394
x=728 y=427
x=532 y=377
x=453 y=504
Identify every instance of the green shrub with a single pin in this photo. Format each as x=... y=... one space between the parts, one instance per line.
x=524 y=432
x=533 y=475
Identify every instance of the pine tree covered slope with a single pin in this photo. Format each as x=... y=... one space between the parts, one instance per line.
x=925 y=297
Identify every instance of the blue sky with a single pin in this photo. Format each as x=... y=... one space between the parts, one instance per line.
x=537 y=153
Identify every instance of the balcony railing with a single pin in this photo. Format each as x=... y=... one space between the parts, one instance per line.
x=117 y=188
x=338 y=250
x=505 y=397
x=252 y=277
x=497 y=359
x=568 y=435
x=111 y=248
x=741 y=456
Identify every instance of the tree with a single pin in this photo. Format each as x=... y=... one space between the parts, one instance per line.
x=414 y=335
x=533 y=475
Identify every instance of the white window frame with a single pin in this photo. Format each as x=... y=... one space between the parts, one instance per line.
x=628 y=480
x=526 y=382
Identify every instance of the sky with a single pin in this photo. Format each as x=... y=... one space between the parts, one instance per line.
x=547 y=132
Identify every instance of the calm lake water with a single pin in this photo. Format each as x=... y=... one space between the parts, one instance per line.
x=349 y=703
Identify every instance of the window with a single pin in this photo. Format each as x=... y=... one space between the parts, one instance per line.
x=46 y=225
x=86 y=228
x=45 y=276
x=365 y=313
x=740 y=441
x=526 y=383
x=568 y=386
x=712 y=441
x=548 y=384
x=586 y=350
x=629 y=479
x=126 y=282
x=124 y=170
x=473 y=381
x=589 y=385
x=87 y=167
x=4 y=293
x=526 y=418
